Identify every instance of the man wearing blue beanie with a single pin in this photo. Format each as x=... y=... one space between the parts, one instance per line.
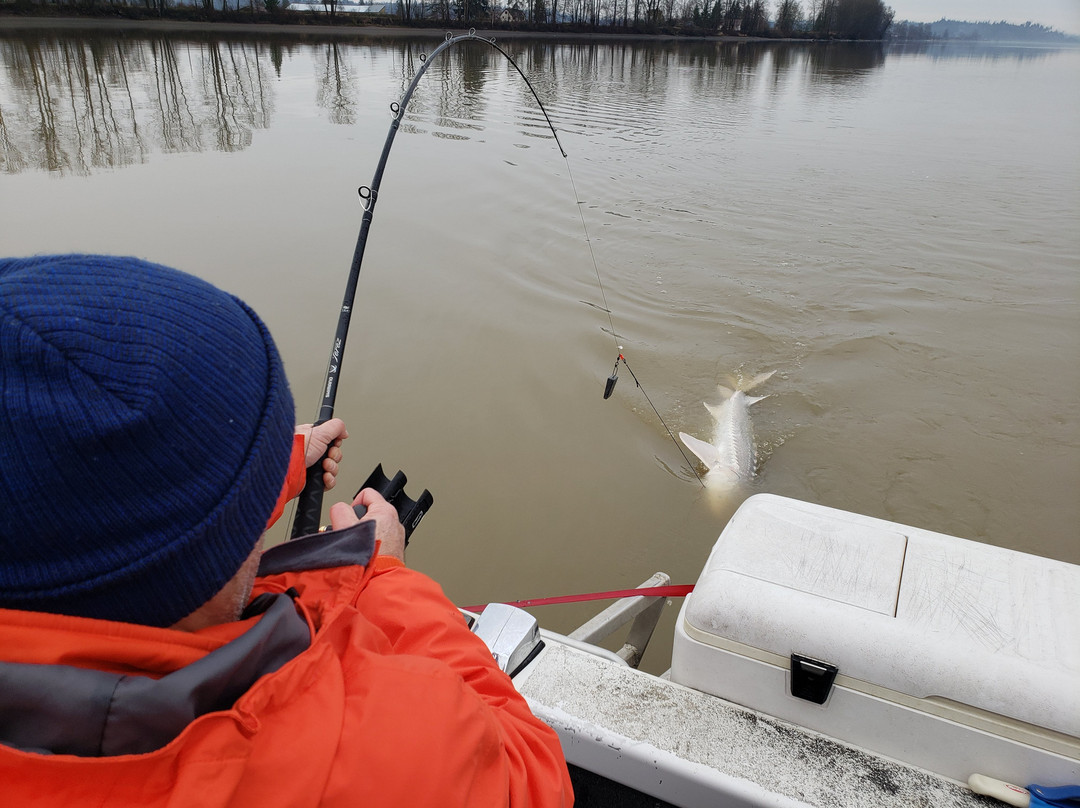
x=146 y=441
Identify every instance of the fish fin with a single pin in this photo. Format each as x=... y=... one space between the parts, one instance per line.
x=760 y=379
x=727 y=392
x=706 y=452
x=715 y=410
x=754 y=399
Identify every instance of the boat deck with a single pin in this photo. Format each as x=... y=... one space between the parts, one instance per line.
x=688 y=748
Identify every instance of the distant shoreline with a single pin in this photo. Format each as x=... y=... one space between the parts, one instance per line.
x=295 y=23
x=12 y=22
x=16 y=22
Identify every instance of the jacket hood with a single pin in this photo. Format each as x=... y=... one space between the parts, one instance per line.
x=59 y=709
x=63 y=709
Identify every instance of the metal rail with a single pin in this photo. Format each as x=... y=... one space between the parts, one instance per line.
x=641 y=611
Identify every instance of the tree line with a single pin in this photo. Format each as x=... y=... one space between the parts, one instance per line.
x=838 y=19
x=995 y=32
x=841 y=19
x=833 y=19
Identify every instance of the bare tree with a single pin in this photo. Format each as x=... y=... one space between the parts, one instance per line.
x=330 y=6
x=852 y=19
x=754 y=18
x=787 y=16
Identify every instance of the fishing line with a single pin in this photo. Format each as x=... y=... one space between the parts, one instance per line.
x=609 y=385
x=592 y=255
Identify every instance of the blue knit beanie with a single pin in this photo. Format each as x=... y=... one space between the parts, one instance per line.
x=145 y=432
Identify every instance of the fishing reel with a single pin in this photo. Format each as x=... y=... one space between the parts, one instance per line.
x=410 y=511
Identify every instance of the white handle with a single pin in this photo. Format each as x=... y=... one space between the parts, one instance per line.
x=999 y=790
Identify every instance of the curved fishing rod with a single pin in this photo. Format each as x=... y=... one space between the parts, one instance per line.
x=309 y=503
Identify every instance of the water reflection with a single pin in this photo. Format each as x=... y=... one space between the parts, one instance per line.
x=79 y=103
x=457 y=90
x=337 y=86
x=835 y=62
x=976 y=51
x=76 y=105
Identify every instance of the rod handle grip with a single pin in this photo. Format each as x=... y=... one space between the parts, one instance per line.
x=309 y=503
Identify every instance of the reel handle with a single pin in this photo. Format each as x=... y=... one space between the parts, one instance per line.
x=410 y=511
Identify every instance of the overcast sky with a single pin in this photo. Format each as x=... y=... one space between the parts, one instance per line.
x=1061 y=14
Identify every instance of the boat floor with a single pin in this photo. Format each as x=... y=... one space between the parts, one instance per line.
x=689 y=748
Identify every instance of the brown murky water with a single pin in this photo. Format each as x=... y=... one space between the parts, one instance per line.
x=894 y=232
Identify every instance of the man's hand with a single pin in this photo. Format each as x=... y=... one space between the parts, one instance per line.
x=388 y=529
x=316 y=442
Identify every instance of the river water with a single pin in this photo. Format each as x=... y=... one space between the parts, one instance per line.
x=894 y=231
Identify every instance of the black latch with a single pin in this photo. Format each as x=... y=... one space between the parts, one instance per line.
x=811 y=679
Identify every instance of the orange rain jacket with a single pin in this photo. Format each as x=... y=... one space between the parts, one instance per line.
x=357 y=684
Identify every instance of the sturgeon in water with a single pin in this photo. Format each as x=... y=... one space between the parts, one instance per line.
x=731 y=458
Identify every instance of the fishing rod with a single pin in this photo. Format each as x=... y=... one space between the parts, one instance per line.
x=309 y=503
